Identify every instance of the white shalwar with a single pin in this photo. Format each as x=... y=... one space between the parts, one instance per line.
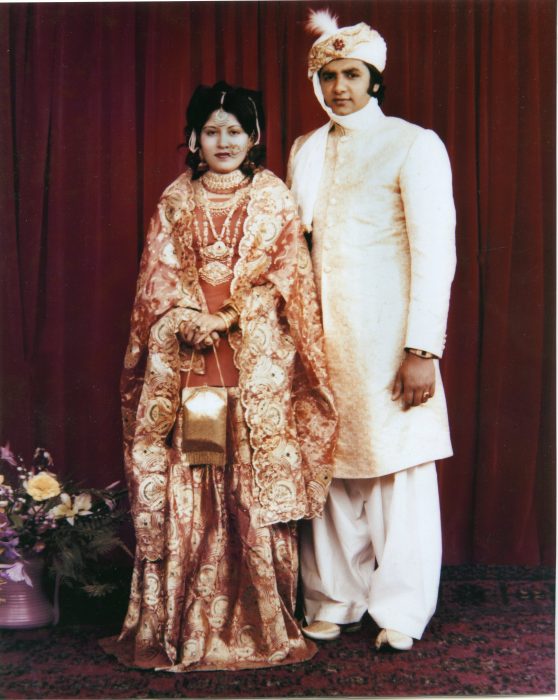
x=377 y=549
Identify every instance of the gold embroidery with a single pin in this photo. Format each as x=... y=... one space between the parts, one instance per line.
x=202 y=596
x=339 y=45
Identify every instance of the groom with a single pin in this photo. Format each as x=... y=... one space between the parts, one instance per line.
x=376 y=193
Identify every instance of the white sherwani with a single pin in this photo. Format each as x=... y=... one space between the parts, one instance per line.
x=384 y=259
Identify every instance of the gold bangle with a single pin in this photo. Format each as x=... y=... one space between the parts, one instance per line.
x=229 y=315
x=421 y=353
x=223 y=318
x=227 y=319
x=233 y=318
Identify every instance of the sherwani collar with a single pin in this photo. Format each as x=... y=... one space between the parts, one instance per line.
x=364 y=119
x=309 y=161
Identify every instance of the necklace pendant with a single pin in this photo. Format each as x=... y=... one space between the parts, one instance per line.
x=215 y=273
x=216 y=251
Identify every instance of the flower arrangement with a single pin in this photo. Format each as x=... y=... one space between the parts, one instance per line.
x=71 y=527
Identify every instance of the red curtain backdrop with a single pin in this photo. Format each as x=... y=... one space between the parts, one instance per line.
x=92 y=105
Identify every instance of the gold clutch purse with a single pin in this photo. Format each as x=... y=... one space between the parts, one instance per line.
x=204 y=422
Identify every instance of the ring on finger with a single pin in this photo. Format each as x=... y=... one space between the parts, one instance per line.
x=426 y=396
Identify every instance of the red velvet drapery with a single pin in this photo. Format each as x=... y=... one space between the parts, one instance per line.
x=92 y=104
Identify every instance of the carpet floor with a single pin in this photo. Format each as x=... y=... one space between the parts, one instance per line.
x=493 y=634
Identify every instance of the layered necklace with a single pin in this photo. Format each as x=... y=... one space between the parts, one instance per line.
x=230 y=193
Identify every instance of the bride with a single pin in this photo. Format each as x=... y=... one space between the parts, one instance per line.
x=225 y=297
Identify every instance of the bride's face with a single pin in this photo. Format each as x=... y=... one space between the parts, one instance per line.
x=224 y=143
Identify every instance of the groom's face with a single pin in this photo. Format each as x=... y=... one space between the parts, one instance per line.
x=345 y=84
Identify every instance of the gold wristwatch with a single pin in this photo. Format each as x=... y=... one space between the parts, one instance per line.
x=421 y=353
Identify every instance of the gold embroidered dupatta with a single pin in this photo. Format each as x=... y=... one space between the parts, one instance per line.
x=278 y=350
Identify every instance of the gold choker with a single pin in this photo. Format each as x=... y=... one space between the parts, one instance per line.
x=221 y=182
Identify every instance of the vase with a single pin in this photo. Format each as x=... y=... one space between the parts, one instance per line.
x=23 y=606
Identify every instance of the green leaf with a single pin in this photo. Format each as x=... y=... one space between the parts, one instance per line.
x=17 y=521
x=98 y=590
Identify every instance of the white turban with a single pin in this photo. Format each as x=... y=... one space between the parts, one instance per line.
x=359 y=41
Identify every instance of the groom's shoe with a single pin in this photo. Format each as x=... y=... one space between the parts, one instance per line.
x=322 y=631
x=395 y=640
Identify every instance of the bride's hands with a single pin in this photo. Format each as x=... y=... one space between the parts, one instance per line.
x=202 y=330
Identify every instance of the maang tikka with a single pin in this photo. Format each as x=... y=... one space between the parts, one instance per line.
x=220 y=119
x=220 y=114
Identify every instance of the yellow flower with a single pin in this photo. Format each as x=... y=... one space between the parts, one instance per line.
x=42 y=486
x=80 y=506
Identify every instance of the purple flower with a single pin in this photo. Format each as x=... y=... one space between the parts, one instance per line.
x=8 y=550
x=9 y=540
x=7 y=455
x=4 y=523
x=15 y=572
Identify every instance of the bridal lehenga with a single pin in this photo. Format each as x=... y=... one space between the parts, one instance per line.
x=215 y=573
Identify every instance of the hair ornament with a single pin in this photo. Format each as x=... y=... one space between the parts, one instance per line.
x=322 y=23
x=192 y=147
x=221 y=115
x=258 y=132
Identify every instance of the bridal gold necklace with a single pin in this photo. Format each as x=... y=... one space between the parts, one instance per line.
x=222 y=182
x=216 y=257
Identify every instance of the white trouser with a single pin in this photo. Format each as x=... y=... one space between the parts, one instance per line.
x=378 y=547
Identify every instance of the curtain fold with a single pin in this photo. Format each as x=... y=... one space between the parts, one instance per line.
x=92 y=112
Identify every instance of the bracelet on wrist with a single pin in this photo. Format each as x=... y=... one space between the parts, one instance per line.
x=223 y=318
x=421 y=353
x=228 y=315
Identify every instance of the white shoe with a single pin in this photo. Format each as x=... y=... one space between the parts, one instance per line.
x=322 y=631
x=394 y=639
